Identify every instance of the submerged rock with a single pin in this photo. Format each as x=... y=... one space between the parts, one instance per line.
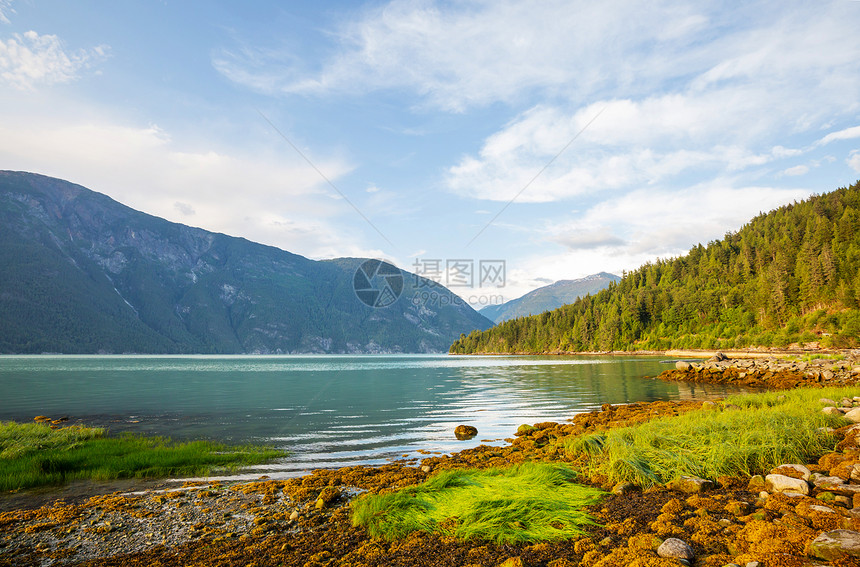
x=463 y=432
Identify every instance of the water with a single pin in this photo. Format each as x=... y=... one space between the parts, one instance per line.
x=329 y=410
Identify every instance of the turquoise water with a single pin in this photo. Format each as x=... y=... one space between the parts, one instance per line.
x=328 y=410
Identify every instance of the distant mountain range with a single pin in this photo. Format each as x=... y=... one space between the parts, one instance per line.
x=549 y=297
x=82 y=273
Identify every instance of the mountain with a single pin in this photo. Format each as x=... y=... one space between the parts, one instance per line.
x=83 y=273
x=548 y=297
x=791 y=276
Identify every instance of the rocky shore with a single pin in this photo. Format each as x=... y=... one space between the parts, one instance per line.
x=770 y=371
x=798 y=514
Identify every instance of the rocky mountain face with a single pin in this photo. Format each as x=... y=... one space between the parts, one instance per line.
x=549 y=297
x=83 y=273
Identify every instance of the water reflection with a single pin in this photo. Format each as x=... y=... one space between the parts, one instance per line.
x=330 y=410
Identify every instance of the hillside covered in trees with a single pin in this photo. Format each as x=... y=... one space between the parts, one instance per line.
x=788 y=276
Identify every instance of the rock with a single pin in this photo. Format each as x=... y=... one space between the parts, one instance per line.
x=828 y=482
x=682 y=365
x=690 y=484
x=855 y=473
x=674 y=548
x=821 y=509
x=853 y=415
x=328 y=495
x=464 y=432
x=827 y=375
x=523 y=429
x=623 y=488
x=709 y=405
x=512 y=562
x=756 y=484
x=846 y=403
x=794 y=471
x=827 y=402
x=738 y=508
x=831 y=410
x=785 y=484
x=426 y=469
x=753 y=564
x=294 y=516
x=836 y=544
x=719 y=357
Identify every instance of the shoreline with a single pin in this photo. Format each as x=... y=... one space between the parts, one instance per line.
x=769 y=352
x=281 y=522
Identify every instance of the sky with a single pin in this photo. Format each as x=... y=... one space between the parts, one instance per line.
x=563 y=138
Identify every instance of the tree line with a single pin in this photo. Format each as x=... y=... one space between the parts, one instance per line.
x=788 y=276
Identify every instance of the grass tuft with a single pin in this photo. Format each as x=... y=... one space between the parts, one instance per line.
x=525 y=503
x=769 y=430
x=33 y=454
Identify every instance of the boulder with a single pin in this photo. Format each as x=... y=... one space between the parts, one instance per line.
x=836 y=544
x=523 y=429
x=853 y=415
x=463 y=432
x=794 y=471
x=690 y=484
x=785 y=484
x=756 y=484
x=827 y=402
x=623 y=488
x=682 y=365
x=831 y=410
x=674 y=548
x=828 y=482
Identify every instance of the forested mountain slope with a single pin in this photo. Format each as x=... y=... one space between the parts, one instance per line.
x=82 y=273
x=788 y=276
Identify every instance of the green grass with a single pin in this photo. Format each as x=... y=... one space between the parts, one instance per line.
x=32 y=454
x=811 y=357
x=526 y=503
x=770 y=429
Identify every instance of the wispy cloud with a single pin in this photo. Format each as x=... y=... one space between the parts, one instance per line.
x=28 y=60
x=457 y=56
x=845 y=134
x=5 y=9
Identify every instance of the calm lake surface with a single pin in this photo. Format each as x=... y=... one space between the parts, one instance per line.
x=329 y=410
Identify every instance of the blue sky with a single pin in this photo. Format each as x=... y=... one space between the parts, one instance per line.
x=563 y=137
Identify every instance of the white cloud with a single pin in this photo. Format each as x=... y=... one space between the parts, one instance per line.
x=796 y=170
x=846 y=134
x=29 y=59
x=854 y=160
x=647 y=224
x=258 y=195
x=630 y=143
